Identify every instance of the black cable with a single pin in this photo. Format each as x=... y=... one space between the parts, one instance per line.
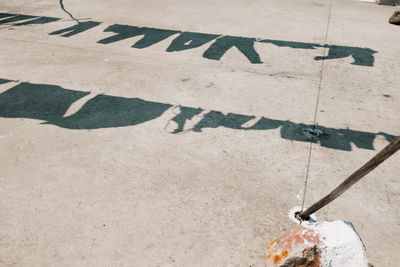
x=63 y=8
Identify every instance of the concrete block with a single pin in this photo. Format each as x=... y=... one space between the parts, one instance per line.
x=321 y=244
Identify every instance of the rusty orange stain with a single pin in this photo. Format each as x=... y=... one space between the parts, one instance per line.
x=293 y=238
x=277 y=259
x=270 y=244
x=297 y=236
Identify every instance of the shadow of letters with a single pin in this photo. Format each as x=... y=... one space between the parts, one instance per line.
x=189 y=40
x=49 y=103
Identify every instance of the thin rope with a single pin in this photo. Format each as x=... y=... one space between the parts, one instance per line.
x=63 y=8
x=317 y=104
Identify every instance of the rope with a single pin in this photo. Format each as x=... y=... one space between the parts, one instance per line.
x=63 y=8
x=384 y=154
x=316 y=105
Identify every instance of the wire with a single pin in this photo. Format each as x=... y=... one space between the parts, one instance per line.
x=63 y=8
x=317 y=104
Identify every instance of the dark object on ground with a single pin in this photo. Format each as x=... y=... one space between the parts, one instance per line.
x=395 y=19
x=389 y=150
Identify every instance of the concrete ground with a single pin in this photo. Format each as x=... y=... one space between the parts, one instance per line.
x=188 y=150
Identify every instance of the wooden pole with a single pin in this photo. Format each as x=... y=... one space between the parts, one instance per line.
x=389 y=150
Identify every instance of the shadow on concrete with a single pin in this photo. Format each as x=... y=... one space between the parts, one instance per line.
x=15 y=20
x=22 y=20
x=50 y=102
x=4 y=81
x=361 y=56
x=75 y=29
x=224 y=43
x=12 y=18
x=151 y=36
x=189 y=40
